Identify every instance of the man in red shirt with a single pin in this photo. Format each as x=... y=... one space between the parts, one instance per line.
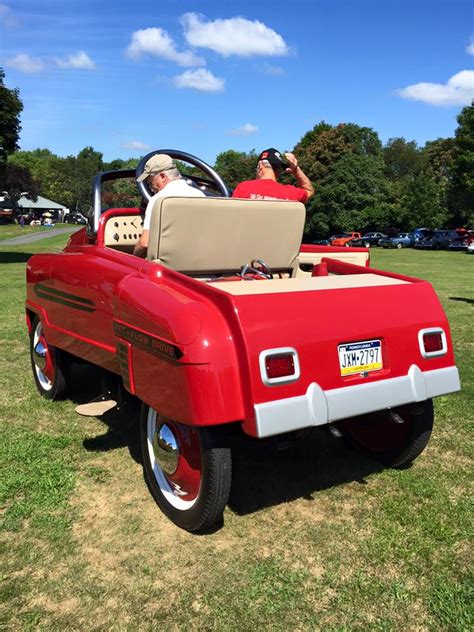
x=266 y=186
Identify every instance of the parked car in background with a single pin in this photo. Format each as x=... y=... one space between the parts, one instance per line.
x=75 y=218
x=367 y=240
x=345 y=238
x=402 y=240
x=321 y=242
x=419 y=233
x=461 y=243
x=437 y=239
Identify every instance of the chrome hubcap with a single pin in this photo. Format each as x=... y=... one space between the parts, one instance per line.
x=165 y=448
x=39 y=355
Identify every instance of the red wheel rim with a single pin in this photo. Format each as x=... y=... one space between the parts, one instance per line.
x=379 y=433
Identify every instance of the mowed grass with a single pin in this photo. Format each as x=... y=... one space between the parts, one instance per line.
x=315 y=538
x=10 y=231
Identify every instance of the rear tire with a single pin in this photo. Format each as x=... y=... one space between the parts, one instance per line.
x=187 y=469
x=399 y=245
x=394 y=444
x=50 y=368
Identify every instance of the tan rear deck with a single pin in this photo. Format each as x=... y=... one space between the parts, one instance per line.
x=305 y=284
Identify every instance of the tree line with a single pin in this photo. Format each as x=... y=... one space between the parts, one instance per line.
x=360 y=183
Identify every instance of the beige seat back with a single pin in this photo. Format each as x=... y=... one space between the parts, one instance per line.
x=219 y=235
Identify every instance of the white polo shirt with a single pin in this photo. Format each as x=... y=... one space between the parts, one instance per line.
x=178 y=188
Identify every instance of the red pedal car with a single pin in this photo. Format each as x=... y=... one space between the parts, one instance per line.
x=213 y=342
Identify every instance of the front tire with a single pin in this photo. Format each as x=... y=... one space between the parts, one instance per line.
x=399 y=245
x=50 y=369
x=188 y=471
x=395 y=438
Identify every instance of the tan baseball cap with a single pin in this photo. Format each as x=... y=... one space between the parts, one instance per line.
x=157 y=164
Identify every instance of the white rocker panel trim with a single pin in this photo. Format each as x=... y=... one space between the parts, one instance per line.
x=318 y=407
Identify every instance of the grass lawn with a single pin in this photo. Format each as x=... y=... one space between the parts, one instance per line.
x=315 y=538
x=9 y=231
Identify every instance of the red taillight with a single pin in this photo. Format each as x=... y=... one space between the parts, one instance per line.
x=433 y=342
x=279 y=366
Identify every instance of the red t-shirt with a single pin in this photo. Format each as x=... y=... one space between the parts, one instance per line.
x=267 y=189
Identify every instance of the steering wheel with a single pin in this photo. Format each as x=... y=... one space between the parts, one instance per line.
x=215 y=179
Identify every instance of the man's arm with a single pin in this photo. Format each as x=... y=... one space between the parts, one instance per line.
x=141 y=246
x=303 y=181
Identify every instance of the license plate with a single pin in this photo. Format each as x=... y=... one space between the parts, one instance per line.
x=360 y=357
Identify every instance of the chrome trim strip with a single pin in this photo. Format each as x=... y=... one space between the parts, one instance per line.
x=318 y=407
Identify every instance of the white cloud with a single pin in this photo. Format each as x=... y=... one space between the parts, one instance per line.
x=80 y=61
x=201 y=79
x=7 y=17
x=470 y=47
x=234 y=36
x=136 y=145
x=243 y=130
x=157 y=42
x=25 y=63
x=459 y=90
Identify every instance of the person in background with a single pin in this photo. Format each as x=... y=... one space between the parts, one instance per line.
x=163 y=178
x=266 y=186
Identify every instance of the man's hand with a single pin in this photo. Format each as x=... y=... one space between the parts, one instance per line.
x=141 y=246
x=292 y=161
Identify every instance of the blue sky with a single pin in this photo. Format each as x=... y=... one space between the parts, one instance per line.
x=209 y=76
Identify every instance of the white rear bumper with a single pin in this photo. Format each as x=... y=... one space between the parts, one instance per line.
x=320 y=407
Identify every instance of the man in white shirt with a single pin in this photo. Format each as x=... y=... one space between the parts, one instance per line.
x=162 y=176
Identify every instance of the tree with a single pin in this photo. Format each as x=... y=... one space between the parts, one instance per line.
x=363 y=141
x=345 y=164
x=10 y=108
x=319 y=150
x=236 y=166
x=461 y=194
x=18 y=182
x=354 y=196
x=45 y=168
x=87 y=164
x=322 y=147
x=438 y=159
x=402 y=159
x=123 y=192
x=422 y=203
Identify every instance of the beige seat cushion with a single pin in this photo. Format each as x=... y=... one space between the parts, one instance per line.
x=215 y=235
